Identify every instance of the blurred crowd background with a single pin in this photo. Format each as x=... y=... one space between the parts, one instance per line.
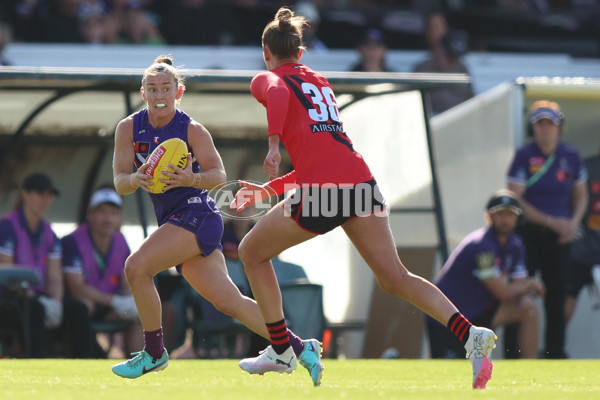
x=562 y=26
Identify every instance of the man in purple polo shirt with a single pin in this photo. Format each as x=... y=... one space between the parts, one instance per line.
x=93 y=260
x=550 y=180
x=486 y=278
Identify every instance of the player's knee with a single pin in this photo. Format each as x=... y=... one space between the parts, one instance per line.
x=134 y=267
x=243 y=252
x=247 y=254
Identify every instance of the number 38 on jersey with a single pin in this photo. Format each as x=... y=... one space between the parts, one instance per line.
x=324 y=101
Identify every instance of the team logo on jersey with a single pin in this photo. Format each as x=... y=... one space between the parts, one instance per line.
x=114 y=279
x=485 y=265
x=142 y=148
x=535 y=164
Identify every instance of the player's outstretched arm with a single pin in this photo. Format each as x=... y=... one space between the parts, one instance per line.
x=251 y=193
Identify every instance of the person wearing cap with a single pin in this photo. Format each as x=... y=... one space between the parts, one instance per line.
x=550 y=180
x=372 y=49
x=27 y=240
x=486 y=277
x=93 y=264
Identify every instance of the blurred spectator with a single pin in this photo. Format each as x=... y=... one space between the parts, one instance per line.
x=129 y=21
x=94 y=26
x=26 y=239
x=308 y=10
x=93 y=263
x=5 y=38
x=61 y=23
x=486 y=278
x=445 y=49
x=199 y=22
x=88 y=21
x=372 y=49
x=28 y=19
x=550 y=179
x=585 y=249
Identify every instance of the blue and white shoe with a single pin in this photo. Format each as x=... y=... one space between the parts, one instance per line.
x=141 y=364
x=269 y=361
x=310 y=358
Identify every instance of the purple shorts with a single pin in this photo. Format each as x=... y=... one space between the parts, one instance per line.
x=206 y=224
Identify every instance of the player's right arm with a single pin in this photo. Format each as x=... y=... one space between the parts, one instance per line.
x=273 y=158
x=125 y=180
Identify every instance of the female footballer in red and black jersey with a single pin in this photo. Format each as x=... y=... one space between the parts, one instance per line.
x=334 y=188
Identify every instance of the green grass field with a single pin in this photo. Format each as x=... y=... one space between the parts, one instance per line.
x=347 y=380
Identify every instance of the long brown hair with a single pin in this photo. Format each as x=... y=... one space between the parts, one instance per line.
x=283 y=35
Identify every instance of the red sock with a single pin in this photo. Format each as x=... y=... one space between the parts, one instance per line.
x=278 y=334
x=460 y=326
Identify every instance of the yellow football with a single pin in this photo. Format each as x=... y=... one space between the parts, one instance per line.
x=172 y=151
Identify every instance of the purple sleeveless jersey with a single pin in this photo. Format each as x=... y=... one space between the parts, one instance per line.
x=80 y=256
x=187 y=207
x=30 y=249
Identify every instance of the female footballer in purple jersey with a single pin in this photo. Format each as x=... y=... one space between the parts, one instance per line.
x=302 y=113
x=190 y=224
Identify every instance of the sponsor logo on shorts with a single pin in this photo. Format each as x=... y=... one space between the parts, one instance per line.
x=178 y=218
